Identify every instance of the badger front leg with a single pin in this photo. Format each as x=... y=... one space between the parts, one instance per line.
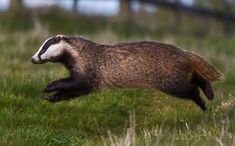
x=66 y=88
x=59 y=96
x=62 y=84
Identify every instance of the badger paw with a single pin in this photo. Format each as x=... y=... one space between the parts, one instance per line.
x=58 y=96
x=54 y=98
x=51 y=99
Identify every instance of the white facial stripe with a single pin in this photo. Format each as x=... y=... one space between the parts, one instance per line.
x=39 y=50
x=53 y=51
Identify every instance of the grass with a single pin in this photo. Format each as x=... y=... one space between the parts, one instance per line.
x=110 y=117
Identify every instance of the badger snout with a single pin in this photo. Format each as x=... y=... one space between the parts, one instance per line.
x=35 y=61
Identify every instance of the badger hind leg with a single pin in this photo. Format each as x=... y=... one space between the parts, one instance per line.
x=204 y=85
x=195 y=96
x=191 y=93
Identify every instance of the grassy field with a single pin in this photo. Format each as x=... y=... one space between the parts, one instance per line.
x=110 y=117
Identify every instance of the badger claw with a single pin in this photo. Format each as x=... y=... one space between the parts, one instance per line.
x=56 y=97
x=51 y=98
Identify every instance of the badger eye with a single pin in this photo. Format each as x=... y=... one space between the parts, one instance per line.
x=43 y=51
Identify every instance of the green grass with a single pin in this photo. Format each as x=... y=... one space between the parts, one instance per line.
x=110 y=117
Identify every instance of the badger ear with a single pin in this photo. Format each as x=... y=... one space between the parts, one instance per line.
x=62 y=37
x=65 y=38
x=59 y=36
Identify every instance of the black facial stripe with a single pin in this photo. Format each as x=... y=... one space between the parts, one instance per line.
x=50 y=42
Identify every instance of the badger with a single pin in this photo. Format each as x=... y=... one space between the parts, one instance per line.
x=145 y=64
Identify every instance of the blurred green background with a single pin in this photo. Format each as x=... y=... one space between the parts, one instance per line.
x=114 y=117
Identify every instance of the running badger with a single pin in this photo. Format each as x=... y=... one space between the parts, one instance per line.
x=143 y=64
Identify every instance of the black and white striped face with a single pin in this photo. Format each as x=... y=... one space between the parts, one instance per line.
x=51 y=50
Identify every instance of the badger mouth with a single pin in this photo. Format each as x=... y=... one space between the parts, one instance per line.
x=34 y=61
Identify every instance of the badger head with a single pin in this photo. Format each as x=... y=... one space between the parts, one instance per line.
x=52 y=50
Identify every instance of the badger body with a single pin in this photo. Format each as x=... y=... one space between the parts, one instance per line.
x=143 y=64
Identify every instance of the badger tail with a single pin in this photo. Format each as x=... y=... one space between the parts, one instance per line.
x=203 y=68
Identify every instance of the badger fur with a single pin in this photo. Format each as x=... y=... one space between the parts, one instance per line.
x=145 y=64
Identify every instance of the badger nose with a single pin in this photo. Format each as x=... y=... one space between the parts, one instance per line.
x=33 y=61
